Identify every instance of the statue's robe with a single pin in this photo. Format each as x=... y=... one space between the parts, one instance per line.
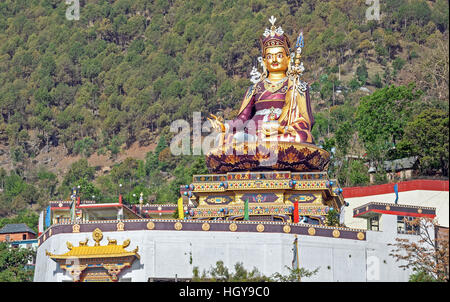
x=290 y=107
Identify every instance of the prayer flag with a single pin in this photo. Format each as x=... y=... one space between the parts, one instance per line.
x=180 y=208
x=295 y=250
x=246 y=217
x=396 y=193
x=296 y=217
x=48 y=216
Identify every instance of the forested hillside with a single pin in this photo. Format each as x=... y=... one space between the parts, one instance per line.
x=121 y=74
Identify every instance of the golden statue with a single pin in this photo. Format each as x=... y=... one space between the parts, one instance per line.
x=275 y=115
x=277 y=105
x=264 y=163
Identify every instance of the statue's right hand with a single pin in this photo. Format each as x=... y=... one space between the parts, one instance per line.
x=216 y=124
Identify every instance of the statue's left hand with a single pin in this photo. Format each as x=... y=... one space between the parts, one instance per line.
x=288 y=130
x=279 y=130
x=268 y=132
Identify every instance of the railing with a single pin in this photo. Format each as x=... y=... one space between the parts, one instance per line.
x=63 y=220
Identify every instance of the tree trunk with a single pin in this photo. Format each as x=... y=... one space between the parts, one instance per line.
x=444 y=167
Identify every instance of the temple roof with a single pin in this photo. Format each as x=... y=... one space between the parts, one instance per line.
x=377 y=208
x=95 y=251
x=112 y=249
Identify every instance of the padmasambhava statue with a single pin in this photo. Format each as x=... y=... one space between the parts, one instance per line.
x=276 y=108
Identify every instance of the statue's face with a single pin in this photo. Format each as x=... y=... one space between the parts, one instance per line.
x=276 y=59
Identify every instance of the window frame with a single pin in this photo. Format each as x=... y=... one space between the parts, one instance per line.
x=408 y=229
x=373 y=225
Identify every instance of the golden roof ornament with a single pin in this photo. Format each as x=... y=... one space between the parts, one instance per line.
x=83 y=243
x=126 y=243
x=97 y=235
x=111 y=241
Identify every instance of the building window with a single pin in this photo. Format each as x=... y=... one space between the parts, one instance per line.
x=7 y=238
x=374 y=223
x=24 y=236
x=404 y=225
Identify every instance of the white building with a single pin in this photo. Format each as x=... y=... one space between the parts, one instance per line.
x=169 y=249
x=421 y=193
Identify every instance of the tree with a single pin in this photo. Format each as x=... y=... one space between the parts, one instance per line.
x=220 y=273
x=84 y=147
x=421 y=276
x=13 y=263
x=29 y=217
x=295 y=275
x=332 y=217
x=440 y=14
x=78 y=170
x=426 y=136
x=431 y=70
x=17 y=195
x=398 y=64
x=342 y=136
x=376 y=81
x=88 y=191
x=133 y=67
x=392 y=44
x=381 y=117
x=428 y=257
x=358 y=173
x=362 y=73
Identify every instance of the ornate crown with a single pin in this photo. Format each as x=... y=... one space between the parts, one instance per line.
x=274 y=37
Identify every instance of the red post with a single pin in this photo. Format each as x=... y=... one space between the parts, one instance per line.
x=78 y=200
x=120 y=198
x=296 y=218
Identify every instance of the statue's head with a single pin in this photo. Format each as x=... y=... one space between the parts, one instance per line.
x=275 y=47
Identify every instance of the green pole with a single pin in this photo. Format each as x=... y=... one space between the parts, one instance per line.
x=246 y=209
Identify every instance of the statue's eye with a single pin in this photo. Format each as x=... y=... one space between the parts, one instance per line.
x=269 y=57
x=280 y=56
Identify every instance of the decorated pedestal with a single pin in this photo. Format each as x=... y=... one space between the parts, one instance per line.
x=271 y=196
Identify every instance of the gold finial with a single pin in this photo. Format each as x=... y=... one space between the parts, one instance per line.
x=69 y=245
x=83 y=243
x=111 y=241
x=273 y=27
x=272 y=20
x=97 y=235
x=126 y=243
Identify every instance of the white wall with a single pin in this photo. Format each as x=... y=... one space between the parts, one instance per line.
x=165 y=254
